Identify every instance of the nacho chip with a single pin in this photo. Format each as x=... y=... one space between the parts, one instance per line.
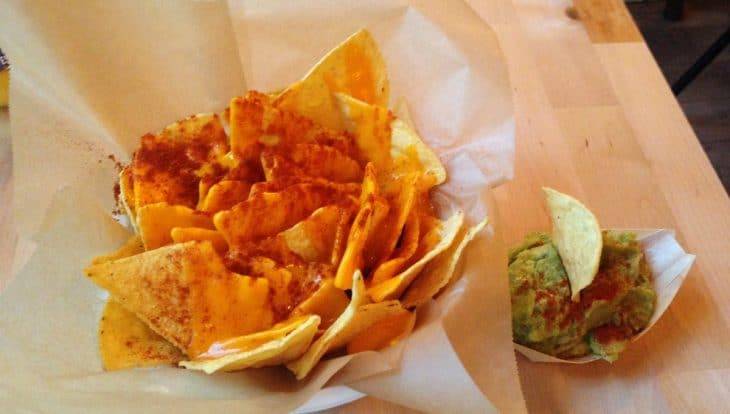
x=132 y=246
x=372 y=210
x=578 y=238
x=405 y=142
x=394 y=287
x=266 y=214
x=282 y=343
x=311 y=160
x=164 y=168
x=126 y=342
x=313 y=238
x=355 y=67
x=224 y=195
x=346 y=190
x=186 y=234
x=328 y=302
x=384 y=332
x=409 y=245
x=185 y=294
x=401 y=193
x=280 y=283
x=371 y=127
x=437 y=274
x=156 y=221
x=256 y=123
x=302 y=366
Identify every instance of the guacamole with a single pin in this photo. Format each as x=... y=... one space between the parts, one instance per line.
x=616 y=306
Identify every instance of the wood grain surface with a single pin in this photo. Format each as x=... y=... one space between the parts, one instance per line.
x=596 y=119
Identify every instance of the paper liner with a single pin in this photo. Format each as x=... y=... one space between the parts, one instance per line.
x=669 y=265
x=88 y=82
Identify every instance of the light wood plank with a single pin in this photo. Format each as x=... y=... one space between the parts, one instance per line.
x=564 y=57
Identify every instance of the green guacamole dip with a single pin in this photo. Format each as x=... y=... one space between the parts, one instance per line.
x=616 y=306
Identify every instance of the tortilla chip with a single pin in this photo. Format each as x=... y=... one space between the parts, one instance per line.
x=313 y=239
x=281 y=344
x=372 y=209
x=366 y=315
x=256 y=124
x=371 y=127
x=405 y=141
x=156 y=221
x=132 y=246
x=409 y=245
x=355 y=67
x=165 y=171
x=126 y=342
x=302 y=366
x=328 y=302
x=280 y=283
x=126 y=194
x=401 y=193
x=266 y=214
x=384 y=332
x=394 y=287
x=578 y=238
x=346 y=190
x=437 y=274
x=312 y=160
x=186 y=295
x=186 y=234
x=224 y=195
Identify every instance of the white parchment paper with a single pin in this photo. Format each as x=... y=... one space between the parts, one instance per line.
x=669 y=265
x=89 y=79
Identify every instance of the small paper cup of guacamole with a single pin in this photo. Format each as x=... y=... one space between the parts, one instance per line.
x=580 y=294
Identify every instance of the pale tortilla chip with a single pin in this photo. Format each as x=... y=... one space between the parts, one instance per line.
x=186 y=234
x=437 y=274
x=132 y=246
x=224 y=195
x=384 y=332
x=371 y=127
x=185 y=294
x=281 y=344
x=328 y=302
x=577 y=236
x=394 y=287
x=313 y=238
x=405 y=141
x=358 y=316
x=366 y=315
x=156 y=221
x=126 y=342
x=355 y=67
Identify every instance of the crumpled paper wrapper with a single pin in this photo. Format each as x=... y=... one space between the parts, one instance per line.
x=89 y=81
x=669 y=265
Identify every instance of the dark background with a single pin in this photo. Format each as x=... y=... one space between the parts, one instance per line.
x=676 y=45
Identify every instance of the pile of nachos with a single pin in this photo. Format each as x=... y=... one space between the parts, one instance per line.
x=292 y=226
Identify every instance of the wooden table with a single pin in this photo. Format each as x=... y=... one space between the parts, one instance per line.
x=595 y=118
